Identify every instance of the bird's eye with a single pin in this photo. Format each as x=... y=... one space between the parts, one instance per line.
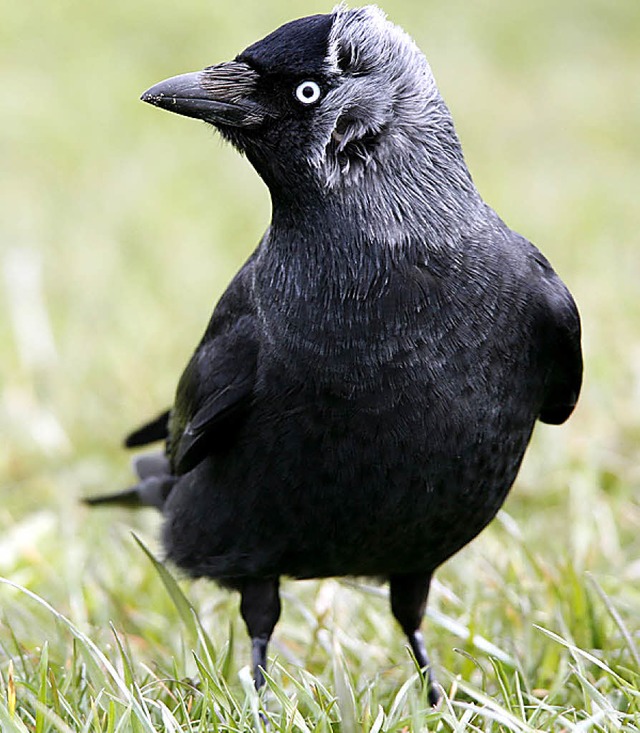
x=308 y=92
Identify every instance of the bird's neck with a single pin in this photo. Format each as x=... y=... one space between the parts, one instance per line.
x=421 y=193
x=331 y=269
x=335 y=283
x=391 y=219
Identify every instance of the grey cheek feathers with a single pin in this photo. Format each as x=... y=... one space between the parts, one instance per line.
x=385 y=101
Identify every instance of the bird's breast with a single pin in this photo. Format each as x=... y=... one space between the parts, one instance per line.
x=370 y=329
x=351 y=324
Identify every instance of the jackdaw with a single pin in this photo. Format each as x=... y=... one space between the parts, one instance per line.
x=364 y=393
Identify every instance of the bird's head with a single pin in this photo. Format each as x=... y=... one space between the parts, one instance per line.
x=324 y=101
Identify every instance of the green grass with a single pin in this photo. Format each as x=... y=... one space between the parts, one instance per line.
x=119 y=228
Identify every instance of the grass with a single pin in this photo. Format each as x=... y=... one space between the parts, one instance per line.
x=120 y=226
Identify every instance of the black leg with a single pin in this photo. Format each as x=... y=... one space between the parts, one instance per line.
x=408 y=602
x=260 y=609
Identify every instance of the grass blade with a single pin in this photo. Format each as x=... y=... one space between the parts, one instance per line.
x=184 y=608
x=96 y=661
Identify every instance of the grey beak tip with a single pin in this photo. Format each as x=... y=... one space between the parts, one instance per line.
x=150 y=98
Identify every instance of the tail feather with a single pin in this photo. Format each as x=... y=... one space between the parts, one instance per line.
x=151 y=464
x=156 y=481
x=151 y=491
x=156 y=429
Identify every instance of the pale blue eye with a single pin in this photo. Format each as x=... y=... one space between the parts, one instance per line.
x=308 y=92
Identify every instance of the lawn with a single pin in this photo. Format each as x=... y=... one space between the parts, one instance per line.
x=120 y=226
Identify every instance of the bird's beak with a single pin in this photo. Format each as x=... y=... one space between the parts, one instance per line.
x=220 y=95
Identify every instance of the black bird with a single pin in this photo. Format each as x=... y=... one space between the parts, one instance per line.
x=364 y=393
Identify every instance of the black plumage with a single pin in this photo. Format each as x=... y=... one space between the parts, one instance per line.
x=367 y=386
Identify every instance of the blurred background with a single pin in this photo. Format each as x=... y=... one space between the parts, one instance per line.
x=120 y=226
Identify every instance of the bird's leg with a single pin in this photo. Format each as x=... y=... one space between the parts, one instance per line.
x=408 y=602
x=260 y=609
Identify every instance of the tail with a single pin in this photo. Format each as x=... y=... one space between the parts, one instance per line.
x=154 y=430
x=154 y=486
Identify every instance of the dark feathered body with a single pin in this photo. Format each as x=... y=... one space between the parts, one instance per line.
x=387 y=419
x=364 y=393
